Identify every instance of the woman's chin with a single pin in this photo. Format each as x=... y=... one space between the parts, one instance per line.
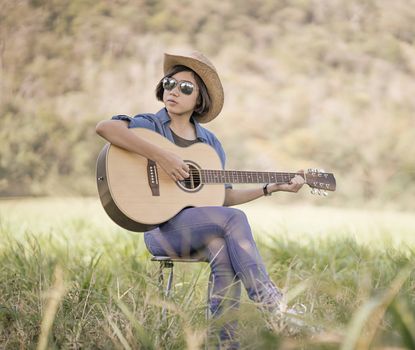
x=174 y=110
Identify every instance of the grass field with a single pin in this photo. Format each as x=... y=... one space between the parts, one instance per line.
x=70 y=278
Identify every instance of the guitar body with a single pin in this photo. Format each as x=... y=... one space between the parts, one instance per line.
x=138 y=195
x=125 y=192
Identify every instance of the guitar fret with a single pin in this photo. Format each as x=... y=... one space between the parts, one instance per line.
x=234 y=176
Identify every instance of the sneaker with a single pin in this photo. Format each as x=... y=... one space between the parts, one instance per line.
x=295 y=316
x=290 y=321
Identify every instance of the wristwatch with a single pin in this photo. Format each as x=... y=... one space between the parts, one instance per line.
x=265 y=190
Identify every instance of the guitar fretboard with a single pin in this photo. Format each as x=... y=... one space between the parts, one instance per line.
x=245 y=177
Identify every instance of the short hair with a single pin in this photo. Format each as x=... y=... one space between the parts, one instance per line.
x=203 y=100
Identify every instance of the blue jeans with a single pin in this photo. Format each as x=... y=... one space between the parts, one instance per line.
x=223 y=236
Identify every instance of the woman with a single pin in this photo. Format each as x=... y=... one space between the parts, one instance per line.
x=192 y=94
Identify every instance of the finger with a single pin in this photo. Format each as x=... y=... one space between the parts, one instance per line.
x=176 y=176
x=298 y=179
x=300 y=175
x=183 y=173
x=180 y=176
x=299 y=185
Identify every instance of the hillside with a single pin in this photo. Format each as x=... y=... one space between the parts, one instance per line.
x=307 y=84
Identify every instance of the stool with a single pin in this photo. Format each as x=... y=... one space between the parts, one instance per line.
x=167 y=262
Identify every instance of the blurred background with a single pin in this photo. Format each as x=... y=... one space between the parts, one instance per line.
x=308 y=84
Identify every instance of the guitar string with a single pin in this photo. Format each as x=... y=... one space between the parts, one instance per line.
x=234 y=175
x=242 y=173
x=228 y=176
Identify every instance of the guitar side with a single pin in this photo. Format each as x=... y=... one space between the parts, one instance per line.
x=108 y=202
x=124 y=189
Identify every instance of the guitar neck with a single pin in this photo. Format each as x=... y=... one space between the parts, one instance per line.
x=245 y=177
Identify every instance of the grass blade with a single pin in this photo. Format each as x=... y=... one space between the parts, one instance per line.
x=370 y=315
x=55 y=295
x=119 y=335
x=142 y=333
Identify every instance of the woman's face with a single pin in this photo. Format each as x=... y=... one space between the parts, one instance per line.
x=177 y=102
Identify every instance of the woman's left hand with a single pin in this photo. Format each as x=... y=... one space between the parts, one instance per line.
x=293 y=186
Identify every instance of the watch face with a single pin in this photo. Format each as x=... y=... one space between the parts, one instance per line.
x=265 y=190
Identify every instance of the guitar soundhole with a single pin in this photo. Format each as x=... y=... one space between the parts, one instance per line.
x=193 y=182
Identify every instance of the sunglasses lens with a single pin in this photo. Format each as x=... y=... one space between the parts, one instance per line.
x=169 y=84
x=186 y=87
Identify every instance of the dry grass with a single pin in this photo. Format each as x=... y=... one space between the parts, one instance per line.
x=359 y=288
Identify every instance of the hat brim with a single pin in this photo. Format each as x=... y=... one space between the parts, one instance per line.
x=209 y=76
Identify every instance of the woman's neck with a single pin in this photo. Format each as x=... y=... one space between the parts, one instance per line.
x=183 y=128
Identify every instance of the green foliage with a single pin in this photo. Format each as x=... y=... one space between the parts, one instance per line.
x=331 y=81
x=45 y=151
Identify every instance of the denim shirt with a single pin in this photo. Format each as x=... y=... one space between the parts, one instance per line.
x=160 y=122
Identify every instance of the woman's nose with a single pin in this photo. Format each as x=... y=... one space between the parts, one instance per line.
x=175 y=91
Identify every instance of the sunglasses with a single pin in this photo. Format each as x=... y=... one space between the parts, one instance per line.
x=185 y=87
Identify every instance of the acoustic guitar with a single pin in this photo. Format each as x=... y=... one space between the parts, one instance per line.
x=138 y=195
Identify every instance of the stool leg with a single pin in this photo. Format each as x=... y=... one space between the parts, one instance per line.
x=209 y=296
x=163 y=265
x=161 y=277
x=169 y=281
x=209 y=332
x=161 y=285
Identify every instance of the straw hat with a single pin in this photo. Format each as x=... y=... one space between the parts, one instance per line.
x=207 y=72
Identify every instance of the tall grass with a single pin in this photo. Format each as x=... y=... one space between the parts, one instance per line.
x=79 y=283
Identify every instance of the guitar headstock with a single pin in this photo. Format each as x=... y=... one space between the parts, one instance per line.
x=320 y=181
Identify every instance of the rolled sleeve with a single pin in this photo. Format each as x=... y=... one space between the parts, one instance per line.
x=122 y=117
x=139 y=121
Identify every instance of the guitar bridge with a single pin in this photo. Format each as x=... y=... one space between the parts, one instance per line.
x=153 y=177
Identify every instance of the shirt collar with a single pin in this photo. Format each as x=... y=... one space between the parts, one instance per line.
x=165 y=118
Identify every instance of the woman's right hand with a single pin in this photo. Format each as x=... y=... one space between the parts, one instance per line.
x=117 y=133
x=173 y=165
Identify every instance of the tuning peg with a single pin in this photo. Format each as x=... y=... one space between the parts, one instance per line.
x=321 y=170
x=319 y=192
